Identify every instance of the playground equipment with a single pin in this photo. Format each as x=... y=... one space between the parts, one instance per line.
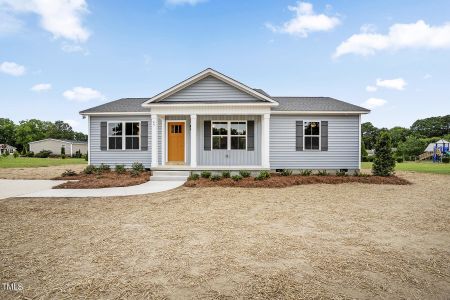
x=440 y=149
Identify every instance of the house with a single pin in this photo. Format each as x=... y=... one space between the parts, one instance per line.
x=213 y=122
x=55 y=145
x=5 y=148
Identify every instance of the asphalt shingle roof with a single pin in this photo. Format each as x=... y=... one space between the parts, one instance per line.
x=121 y=105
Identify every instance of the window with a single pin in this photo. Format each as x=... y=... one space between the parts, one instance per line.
x=312 y=135
x=176 y=129
x=132 y=135
x=228 y=135
x=118 y=139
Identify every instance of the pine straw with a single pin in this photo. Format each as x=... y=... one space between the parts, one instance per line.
x=278 y=181
x=103 y=180
x=348 y=241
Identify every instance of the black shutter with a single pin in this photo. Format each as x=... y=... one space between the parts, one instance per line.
x=144 y=135
x=298 y=135
x=324 y=135
x=251 y=135
x=103 y=136
x=207 y=135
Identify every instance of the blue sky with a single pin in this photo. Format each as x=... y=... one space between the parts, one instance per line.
x=59 y=57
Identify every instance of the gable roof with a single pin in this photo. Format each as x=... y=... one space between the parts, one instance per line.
x=203 y=74
x=119 y=106
x=316 y=104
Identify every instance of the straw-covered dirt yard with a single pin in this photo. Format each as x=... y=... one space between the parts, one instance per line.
x=308 y=241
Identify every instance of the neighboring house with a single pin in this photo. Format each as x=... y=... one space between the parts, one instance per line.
x=55 y=145
x=213 y=122
x=5 y=148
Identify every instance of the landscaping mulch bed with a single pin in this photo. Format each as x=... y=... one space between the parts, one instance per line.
x=278 y=181
x=103 y=180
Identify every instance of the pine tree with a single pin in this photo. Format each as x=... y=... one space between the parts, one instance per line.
x=364 y=153
x=384 y=162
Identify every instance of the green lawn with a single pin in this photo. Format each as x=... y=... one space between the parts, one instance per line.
x=32 y=162
x=421 y=167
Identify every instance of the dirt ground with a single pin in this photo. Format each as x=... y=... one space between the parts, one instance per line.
x=37 y=173
x=311 y=241
x=103 y=180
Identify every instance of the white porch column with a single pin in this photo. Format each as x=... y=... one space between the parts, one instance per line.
x=163 y=140
x=154 y=140
x=193 y=140
x=265 y=140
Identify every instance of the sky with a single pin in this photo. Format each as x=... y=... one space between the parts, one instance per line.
x=58 y=57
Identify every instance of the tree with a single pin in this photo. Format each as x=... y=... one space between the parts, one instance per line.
x=31 y=130
x=369 y=134
x=364 y=153
x=7 y=130
x=384 y=162
x=79 y=136
x=61 y=130
x=398 y=135
x=412 y=147
x=430 y=127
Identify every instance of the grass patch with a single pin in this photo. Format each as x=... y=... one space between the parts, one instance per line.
x=421 y=167
x=34 y=162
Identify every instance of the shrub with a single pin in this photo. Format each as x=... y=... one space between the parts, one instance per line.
x=43 y=154
x=138 y=167
x=384 y=162
x=322 y=173
x=226 y=174
x=205 y=174
x=77 y=154
x=193 y=176
x=5 y=154
x=446 y=159
x=370 y=158
x=263 y=175
x=135 y=173
x=305 y=172
x=63 y=151
x=399 y=159
x=236 y=177
x=90 y=169
x=63 y=156
x=244 y=173
x=341 y=172
x=120 y=169
x=104 y=168
x=215 y=177
x=16 y=154
x=68 y=173
x=286 y=172
x=86 y=157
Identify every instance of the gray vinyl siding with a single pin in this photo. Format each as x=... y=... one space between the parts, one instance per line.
x=228 y=157
x=343 y=144
x=210 y=89
x=117 y=157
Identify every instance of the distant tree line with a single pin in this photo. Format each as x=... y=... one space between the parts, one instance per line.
x=409 y=142
x=19 y=135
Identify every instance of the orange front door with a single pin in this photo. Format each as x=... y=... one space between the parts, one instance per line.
x=175 y=145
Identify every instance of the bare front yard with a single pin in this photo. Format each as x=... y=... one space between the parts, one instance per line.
x=308 y=241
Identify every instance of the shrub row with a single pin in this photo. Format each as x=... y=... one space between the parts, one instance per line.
x=136 y=169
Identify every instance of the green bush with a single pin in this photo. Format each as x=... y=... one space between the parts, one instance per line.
x=215 y=177
x=138 y=167
x=63 y=156
x=90 y=169
x=286 y=172
x=193 y=176
x=446 y=159
x=104 y=168
x=43 y=154
x=384 y=162
x=5 y=154
x=29 y=154
x=120 y=169
x=305 y=172
x=370 y=158
x=244 y=173
x=68 y=173
x=226 y=174
x=77 y=154
x=135 y=172
x=63 y=151
x=399 y=159
x=322 y=173
x=263 y=175
x=16 y=154
x=236 y=177
x=86 y=157
x=205 y=174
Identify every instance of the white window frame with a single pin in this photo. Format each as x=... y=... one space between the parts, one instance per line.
x=123 y=135
x=229 y=135
x=312 y=135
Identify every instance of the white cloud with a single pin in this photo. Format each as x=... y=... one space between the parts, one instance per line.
x=374 y=102
x=305 y=21
x=72 y=48
x=371 y=88
x=11 y=68
x=182 y=2
x=73 y=123
x=9 y=24
x=83 y=94
x=62 y=18
x=427 y=76
x=41 y=87
x=394 y=84
x=400 y=36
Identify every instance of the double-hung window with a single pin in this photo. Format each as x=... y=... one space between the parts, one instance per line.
x=120 y=139
x=229 y=135
x=311 y=135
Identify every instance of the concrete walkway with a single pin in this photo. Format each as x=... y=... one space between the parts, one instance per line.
x=43 y=188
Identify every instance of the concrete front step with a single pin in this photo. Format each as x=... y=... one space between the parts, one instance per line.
x=168 y=178
x=169 y=175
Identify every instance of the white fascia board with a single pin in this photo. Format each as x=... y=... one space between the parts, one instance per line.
x=116 y=113
x=292 y=112
x=210 y=104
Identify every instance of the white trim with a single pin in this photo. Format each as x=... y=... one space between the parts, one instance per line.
x=218 y=168
x=167 y=138
x=316 y=112
x=359 y=144
x=154 y=128
x=124 y=136
x=229 y=134
x=208 y=110
x=116 y=113
x=163 y=140
x=193 y=140
x=62 y=141
x=204 y=74
x=210 y=104
x=313 y=135
x=89 y=140
x=265 y=140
